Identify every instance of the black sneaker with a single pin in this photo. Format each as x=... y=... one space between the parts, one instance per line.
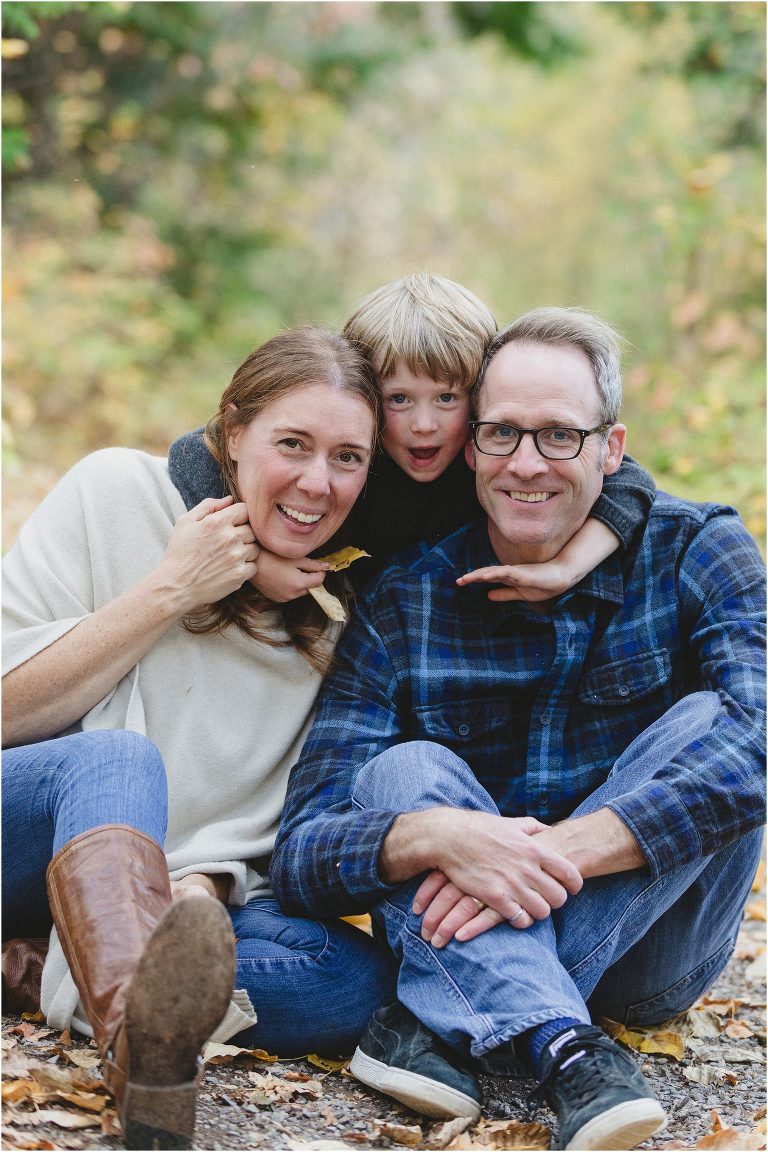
x=601 y=1097
x=397 y=1055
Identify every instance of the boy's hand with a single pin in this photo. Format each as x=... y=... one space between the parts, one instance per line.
x=531 y=582
x=281 y=580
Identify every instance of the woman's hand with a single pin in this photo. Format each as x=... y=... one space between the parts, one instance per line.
x=201 y=884
x=212 y=552
x=281 y=580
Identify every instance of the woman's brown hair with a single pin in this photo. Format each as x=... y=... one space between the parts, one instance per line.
x=286 y=363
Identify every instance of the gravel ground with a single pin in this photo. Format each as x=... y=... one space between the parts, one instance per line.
x=718 y=1085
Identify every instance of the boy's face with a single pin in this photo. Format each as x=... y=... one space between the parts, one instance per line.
x=427 y=423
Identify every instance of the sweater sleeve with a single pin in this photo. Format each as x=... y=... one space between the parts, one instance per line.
x=625 y=501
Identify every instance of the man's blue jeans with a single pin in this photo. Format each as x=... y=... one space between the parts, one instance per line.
x=627 y=946
x=313 y=985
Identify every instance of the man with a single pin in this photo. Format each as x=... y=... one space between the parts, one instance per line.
x=552 y=810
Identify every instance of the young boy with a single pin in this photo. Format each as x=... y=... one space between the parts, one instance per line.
x=426 y=336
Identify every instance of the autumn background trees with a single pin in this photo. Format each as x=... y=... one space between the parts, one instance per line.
x=184 y=179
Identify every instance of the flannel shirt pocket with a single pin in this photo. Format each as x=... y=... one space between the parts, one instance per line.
x=624 y=681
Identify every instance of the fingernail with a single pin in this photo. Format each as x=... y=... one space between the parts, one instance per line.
x=461 y=934
x=437 y=941
x=416 y=908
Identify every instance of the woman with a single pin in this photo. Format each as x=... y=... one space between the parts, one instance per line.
x=129 y=615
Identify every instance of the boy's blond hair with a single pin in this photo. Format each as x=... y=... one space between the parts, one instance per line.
x=433 y=325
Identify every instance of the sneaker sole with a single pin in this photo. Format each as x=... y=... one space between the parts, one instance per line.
x=429 y=1097
x=623 y=1126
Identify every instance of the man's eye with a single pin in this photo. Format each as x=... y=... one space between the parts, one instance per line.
x=504 y=432
x=559 y=435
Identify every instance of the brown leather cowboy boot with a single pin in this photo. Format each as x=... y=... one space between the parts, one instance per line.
x=155 y=976
x=23 y=959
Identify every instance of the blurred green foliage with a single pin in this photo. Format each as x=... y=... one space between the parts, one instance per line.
x=183 y=179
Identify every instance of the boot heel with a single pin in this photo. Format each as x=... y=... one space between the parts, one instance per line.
x=155 y=1117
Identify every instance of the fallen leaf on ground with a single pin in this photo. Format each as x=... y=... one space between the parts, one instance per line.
x=755 y=910
x=326 y=1063
x=226 y=1053
x=61 y=1117
x=663 y=1043
x=16 y=1090
x=709 y=1074
x=89 y=1101
x=756 y=971
x=721 y=1007
x=703 y=1023
x=441 y=1135
x=65 y=1079
x=408 y=1134
x=274 y=1088
x=82 y=1057
x=18 y=1141
x=504 y=1134
x=361 y=922
x=738 y=1030
x=65 y=1039
x=729 y=1054
x=733 y=1140
x=33 y=1016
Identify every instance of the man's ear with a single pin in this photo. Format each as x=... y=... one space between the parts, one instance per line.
x=469 y=453
x=617 y=439
x=233 y=437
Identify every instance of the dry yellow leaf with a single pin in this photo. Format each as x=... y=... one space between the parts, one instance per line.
x=343 y=558
x=665 y=1043
x=408 y=1134
x=326 y=1063
x=361 y=922
x=504 y=1134
x=755 y=910
x=226 y=1053
x=329 y=603
x=16 y=1090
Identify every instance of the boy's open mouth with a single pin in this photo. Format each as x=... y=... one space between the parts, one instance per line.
x=423 y=453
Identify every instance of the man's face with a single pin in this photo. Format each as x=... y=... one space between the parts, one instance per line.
x=536 y=505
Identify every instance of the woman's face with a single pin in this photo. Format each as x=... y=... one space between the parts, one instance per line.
x=301 y=464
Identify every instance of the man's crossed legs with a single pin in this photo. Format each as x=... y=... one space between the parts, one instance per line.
x=628 y=946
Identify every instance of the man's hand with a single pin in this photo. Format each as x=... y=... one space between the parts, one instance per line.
x=499 y=861
x=281 y=580
x=201 y=884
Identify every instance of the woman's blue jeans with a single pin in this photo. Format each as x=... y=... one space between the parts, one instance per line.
x=313 y=985
x=629 y=947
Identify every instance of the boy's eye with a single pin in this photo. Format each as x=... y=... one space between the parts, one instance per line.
x=447 y=397
x=397 y=399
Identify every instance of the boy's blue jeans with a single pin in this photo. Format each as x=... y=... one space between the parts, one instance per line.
x=628 y=947
x=314 y=986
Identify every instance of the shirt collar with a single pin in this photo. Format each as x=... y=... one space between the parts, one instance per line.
x=605 y=582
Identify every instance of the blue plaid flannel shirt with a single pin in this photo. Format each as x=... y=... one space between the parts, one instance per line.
x=541 y=705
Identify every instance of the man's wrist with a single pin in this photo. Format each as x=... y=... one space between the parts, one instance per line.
x=599 y=843
x=412 y=845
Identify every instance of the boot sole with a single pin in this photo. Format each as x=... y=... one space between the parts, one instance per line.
x=430 y=1097
x=623 y=1126
x=179 y=994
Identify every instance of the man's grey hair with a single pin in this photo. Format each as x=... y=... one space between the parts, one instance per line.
x=600 y=343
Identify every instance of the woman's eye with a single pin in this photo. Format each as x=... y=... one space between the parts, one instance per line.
x=291 y=442
x=348 y=457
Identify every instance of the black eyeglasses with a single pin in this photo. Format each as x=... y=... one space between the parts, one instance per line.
x=554 y=443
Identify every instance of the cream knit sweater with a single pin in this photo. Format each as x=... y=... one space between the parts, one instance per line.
x=228 y=714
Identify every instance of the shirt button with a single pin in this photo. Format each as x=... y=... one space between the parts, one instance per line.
x=623 y=690
x=543 y=797
x=463 y=729
x=544 y=718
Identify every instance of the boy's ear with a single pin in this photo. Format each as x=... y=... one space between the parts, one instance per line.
x=469 y=453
